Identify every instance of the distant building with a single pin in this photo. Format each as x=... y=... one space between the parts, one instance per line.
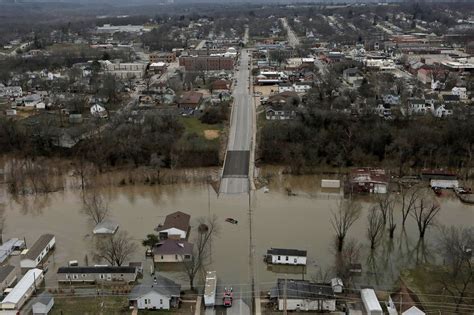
x=106 y=227
x=352 y=76
x=167 y=57
x=367 y=180
x=461 y=92
x=281 y=114
x=43 y=304
x=38 y=251
x=189 y=100
x=303 y=295
x=93 y=274
x=281 y=256
x=22 y=290
x=163 y=294
x=176 y=226
x=172 y=251
x=206 y=63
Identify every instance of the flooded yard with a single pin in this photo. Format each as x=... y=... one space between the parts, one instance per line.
x=301 y=221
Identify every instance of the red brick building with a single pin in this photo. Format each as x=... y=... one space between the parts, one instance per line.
x=206 y=63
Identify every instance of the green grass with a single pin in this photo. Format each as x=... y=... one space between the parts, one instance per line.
x=194 y=125
x=90 y=305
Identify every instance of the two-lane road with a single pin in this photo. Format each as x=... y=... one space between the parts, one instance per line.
x=235 y=176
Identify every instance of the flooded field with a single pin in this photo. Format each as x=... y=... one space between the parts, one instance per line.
x=301 y=221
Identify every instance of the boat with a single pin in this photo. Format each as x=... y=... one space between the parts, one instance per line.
x=465 y=195
x=230 y=220
x=228 y=297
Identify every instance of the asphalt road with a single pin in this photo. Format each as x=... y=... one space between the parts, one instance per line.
x=235 y=175
x=293 y=40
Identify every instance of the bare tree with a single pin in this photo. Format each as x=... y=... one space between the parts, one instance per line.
x=343 y=218
x=424 y=214
x=349 y=255
x=408 y=199
x=115 y=249
x=374 y=227
x=455 y=244
x=391 y=222
x=95 y=207
x=385 y=203
x=207 y=229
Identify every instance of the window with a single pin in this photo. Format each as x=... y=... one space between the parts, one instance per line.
x=286 y=258
x=83 y=275
x=176 y=257
x=75 y=276
x=102 y=276
x=146 y=301
x=187 y=256
x=67 y=276
x=161 y=301
x=162 y=257
x=279 y=258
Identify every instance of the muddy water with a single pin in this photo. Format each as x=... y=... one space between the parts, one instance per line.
x=301 y=221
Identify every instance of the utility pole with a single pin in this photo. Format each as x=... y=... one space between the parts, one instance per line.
x=285 y=306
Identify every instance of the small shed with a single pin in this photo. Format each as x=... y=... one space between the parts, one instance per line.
x=43 y=304
x=337 y=285
x=106 y=227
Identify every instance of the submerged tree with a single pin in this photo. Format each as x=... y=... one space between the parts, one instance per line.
x=207 y=229
x=455 y=244
x=424 y=214
x=115 y=249
x=95 y=207
x=374 y=227
x=408 y=199
x=347 y=213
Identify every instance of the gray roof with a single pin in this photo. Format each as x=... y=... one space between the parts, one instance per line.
x=286 y=252
x=38 y=246
x=173 y=247
x=178 y=219
x=163 y=286
x=5 y=271
x=303 y=289
x=44 y=298
x=97 y=269
x=110 y=226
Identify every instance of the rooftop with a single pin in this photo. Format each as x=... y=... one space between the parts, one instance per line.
x=173 y=247
x=178 y=219
x=96 y=269
x=23 y=286
x=163 y=286
x=38 y=246
x=286 y=252
x=303 y=289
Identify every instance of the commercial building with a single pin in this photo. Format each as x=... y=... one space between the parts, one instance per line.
x=206 y=63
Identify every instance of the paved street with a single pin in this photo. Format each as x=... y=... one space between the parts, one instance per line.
x=293 y=40
x=235 y=175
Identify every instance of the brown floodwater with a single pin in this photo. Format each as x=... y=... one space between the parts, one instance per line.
x=279 y=220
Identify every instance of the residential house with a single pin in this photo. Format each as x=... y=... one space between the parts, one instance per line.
x=391 y=99
x=106 y=227
x=302 y=87
x=404 y=302
x=36 y=253
x=303 y=295
x=461 y=92
x=7 y=276
x=157 y=67
x=162 y=294
x=443 y=110
x=94 y=274
x=31 y=100
x=10 y=246
x=43 y=304
x=189 y=100
x=337 y=285
x=384 y=110
x=11 y=91
x=172 y=251
x=417 y=106
x=281 y=114
x=352 y=76
x=220 y=86
x=176 y=226
x=425 y=75
x=285 y=87
x=22 y=290
x=285 y=98
x=367 y=180
x=451 y=98
x=282 y=256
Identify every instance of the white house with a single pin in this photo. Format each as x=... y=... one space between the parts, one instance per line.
x=443 y=110
x=337 y=285
x=36 y=253
x=460 y=91
x=285 y=87
x=302 y=295
x=162 y=294
x=23 y=290
x=413 y=311
x=43 y=304
x=176 y=226
x=301 y=87
x=281 y=256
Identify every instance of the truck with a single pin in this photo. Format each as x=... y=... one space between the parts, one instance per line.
x=210 y=289
x=228 y=297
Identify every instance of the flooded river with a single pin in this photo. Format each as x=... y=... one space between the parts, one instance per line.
x=279 y=220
